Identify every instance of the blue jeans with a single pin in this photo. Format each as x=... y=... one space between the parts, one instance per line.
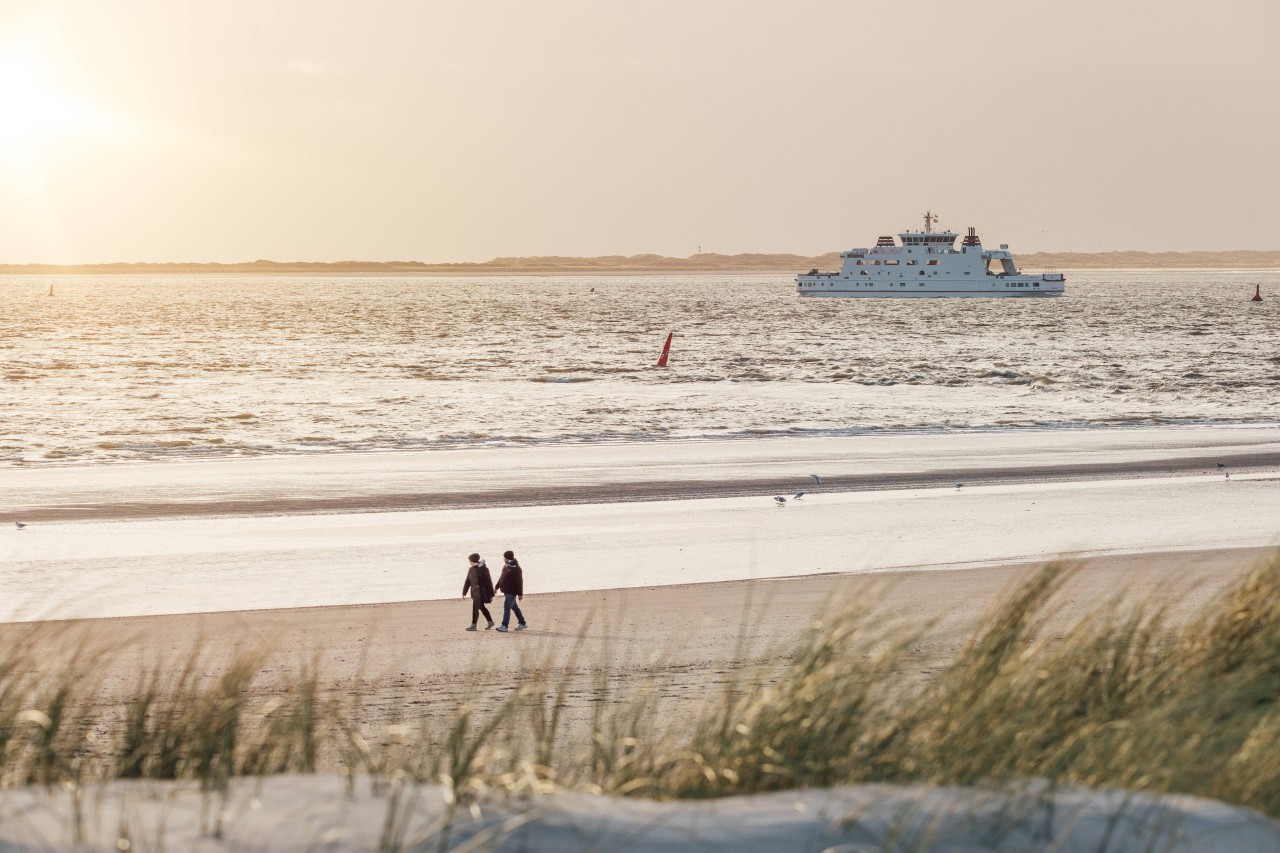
x=508 y=605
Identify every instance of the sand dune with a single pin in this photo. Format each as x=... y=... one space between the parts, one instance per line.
x=318 y=813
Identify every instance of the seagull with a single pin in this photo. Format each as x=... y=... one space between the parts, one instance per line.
x=780 y=500
x=1220 y=465
x=798 y=496
x=19 y=525
x=816 y=479
x=958 y=485
x=1228 y=475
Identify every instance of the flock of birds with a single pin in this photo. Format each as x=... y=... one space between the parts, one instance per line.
x=780 y=500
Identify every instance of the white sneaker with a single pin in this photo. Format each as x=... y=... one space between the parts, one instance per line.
x=502 y=628
x=472 y=628
x=521 y=626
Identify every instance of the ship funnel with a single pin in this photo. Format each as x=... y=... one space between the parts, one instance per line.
x=971 y=239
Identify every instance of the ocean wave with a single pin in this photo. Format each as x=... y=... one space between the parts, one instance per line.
x=402 y=366
x=118 y=452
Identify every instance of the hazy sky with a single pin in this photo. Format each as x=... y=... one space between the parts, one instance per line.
x=242 y=129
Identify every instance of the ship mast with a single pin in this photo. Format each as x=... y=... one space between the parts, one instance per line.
x=929 y=221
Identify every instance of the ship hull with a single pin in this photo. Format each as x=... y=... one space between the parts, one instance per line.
x=1019 y=288
x=937 y=294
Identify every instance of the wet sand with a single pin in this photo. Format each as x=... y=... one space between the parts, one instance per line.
x=617 y=473
x=227 y=535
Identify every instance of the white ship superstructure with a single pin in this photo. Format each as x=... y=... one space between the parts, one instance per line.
x=927 y=263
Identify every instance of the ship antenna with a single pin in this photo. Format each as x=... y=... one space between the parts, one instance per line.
x=929 y=220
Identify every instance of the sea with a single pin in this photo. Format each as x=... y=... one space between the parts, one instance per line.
x=118 y=369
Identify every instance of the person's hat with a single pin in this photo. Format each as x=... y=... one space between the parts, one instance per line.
x=510 y=555
x=475 y=558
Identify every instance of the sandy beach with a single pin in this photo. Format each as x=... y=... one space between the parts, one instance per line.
x=690 y=638
x=666 y=569
x=667 y=566
x=154 y=539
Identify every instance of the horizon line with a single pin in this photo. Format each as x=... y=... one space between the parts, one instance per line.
x=524 y=260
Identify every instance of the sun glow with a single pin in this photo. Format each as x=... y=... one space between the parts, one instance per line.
x=38 y=119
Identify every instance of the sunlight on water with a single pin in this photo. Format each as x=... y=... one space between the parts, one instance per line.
x=189 y=367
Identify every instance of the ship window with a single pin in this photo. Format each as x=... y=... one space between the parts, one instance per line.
x=892 y=263
x=911 y=263
x=861 y=263
x=1037 y=284
x=921 y=272
x=933 y=263
x=864 y=272
x=876 y=263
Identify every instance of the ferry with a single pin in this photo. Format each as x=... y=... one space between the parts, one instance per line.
x=927 y=263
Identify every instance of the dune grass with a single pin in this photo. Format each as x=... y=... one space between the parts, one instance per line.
x=1125 y=697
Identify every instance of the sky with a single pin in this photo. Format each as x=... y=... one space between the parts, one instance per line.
x=141 y=130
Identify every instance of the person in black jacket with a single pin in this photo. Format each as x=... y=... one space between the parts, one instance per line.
x=480 y=584
x=511 y=584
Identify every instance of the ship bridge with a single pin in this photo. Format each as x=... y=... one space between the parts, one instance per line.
x=929 y=238
x=932 y=239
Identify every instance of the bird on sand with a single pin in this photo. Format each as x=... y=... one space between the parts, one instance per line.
x=1220 y=465
x=958 y=485
x=816 y=479
x=19 y=525
x=798 y=496
x=779 y=500
x=1228 y=475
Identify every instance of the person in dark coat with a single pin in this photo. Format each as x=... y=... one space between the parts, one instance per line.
x=511 y=584
x=480 y=585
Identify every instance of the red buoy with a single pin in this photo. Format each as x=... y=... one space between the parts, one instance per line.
x=1257 y=294
x=666 y=351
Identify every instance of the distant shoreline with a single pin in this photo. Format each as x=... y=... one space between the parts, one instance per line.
x=702 y=264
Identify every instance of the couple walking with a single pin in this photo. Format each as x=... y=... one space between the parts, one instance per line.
x=480 y=584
